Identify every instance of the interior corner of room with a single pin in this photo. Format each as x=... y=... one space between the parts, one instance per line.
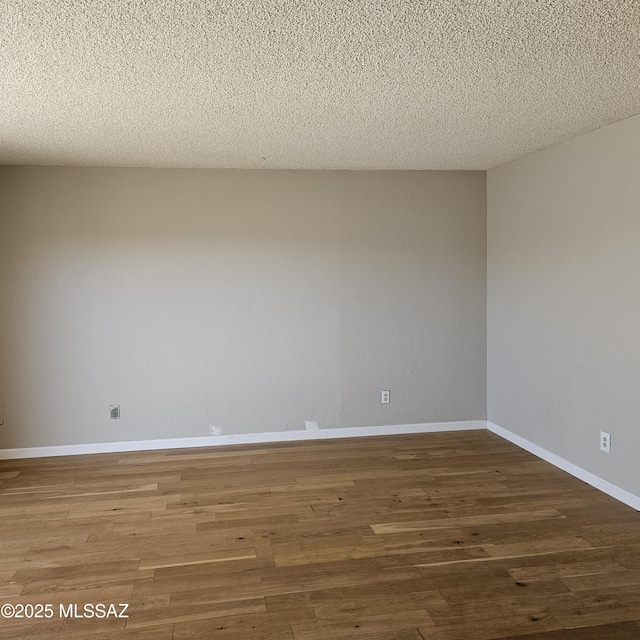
x=214 y=304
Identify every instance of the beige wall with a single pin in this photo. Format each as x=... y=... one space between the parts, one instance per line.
x=252 y=301
x=564 y=300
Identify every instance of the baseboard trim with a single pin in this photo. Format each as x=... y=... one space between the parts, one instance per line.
x=582 y=474
x=248 y=438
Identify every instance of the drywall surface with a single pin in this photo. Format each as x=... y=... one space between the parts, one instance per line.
x=564 y=300
x=250 y=301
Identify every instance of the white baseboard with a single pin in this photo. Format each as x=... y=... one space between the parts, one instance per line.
x=248 y=438
x=582 y=474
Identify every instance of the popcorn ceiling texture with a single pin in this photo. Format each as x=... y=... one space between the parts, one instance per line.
x=310 y=84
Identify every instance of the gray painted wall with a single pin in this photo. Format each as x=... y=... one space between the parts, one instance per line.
x=564 y=300
x=252 y=301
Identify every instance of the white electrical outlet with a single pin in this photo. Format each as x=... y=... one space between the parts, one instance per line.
x=385 y=397
x=214 y=431
x=114 y=411
x=605 y=441
x=310 y=425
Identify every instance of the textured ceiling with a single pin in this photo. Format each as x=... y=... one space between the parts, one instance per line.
x=317 y=84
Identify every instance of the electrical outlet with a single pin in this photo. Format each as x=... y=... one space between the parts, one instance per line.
x=310 y=425
x=605 y=441
x=214 y=431
x=385 y=397
x=114 y=411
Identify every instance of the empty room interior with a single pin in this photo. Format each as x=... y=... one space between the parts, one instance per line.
x=320 y=320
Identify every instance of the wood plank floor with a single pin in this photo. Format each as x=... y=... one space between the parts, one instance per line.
x=446 y=536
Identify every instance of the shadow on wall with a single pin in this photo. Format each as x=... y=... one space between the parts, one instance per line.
x=253 y=301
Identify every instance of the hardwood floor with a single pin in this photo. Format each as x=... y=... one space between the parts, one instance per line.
x=446 y=536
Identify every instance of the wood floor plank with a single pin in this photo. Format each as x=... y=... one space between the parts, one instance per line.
x=492 y=629
x=188 y=612
x=602 y=579
x=616 y=631
x=347 y=609
x=257 y=626
x=384 y=625
x=443 y=523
